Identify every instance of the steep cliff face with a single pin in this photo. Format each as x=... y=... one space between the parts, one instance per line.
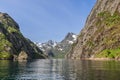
x=100 y=38
x=13 y=45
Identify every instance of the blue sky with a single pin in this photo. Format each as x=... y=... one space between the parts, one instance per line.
x=43 y=20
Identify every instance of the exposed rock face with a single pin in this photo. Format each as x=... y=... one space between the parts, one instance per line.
x=100 y=38
x=58 y=49
x=22 y=56
x=13 y=45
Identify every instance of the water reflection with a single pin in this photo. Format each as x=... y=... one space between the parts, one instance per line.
x=8 y=69
x=92 y=70
x=59 y=69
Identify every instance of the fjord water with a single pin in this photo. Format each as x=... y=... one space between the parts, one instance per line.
x=59 y=69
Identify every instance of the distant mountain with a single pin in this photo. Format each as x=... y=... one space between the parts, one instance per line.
x=66 y=42
x=58 y=49
x=47 y=46
x=13 y=45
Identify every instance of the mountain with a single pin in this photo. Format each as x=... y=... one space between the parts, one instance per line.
x=47 y=46
x=100 y=38
x=13 y=45
x=64 y=46
x=58 y=49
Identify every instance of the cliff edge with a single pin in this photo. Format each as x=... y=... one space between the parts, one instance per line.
x=100 y=38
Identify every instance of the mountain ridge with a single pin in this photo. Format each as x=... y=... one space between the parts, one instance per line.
x=53 y=48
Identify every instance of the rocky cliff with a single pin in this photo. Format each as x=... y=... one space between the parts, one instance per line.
x=100 y=38
x=13 y=45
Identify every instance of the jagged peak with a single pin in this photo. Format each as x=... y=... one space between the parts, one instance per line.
x=70 y=36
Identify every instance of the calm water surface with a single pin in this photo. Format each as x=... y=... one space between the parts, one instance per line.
x=60 y=69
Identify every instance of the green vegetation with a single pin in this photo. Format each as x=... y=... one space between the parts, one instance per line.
x=90 y=43
x=104 y=14
x=3 y=45
x=3 y=42
x=108 y=19
x=109 y=53
x=109 y=40
x=5 y=55
x=110 y=23
x=9 y=25
x=60 y=56
x=11 y=29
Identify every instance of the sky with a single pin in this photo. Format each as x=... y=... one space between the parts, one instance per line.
x=43 y=20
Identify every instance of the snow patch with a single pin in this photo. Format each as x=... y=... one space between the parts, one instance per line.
x=60 y=49
x=75 y=37
x=54 y=44
x=71 y=42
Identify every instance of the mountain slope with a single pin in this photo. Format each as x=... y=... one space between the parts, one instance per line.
x=64 y=46
x=100 y=38
x=13 y=45
x=58 y=49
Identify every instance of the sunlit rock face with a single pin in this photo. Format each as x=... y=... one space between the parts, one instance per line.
x=100 y=38
x=13 y=43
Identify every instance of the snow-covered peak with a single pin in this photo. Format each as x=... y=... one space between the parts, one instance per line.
x=46 y=45
x=56 y=47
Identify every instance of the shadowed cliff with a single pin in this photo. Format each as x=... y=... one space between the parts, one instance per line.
x=13 y=45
